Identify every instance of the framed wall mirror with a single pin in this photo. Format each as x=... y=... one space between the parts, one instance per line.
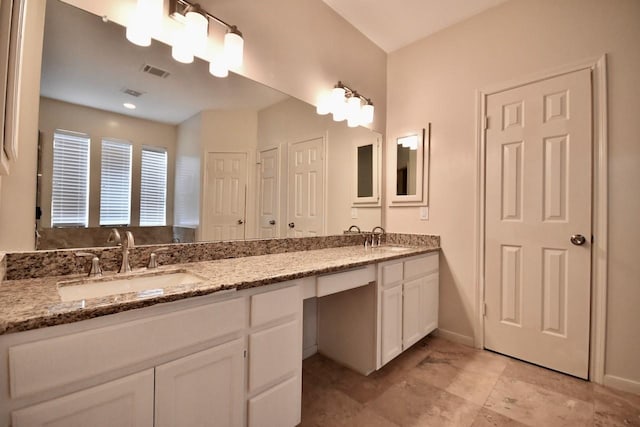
x=409 y=160
x=366 y=176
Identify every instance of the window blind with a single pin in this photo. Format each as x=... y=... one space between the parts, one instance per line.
x=115 y=183
x=153 y=187
x=70 y=190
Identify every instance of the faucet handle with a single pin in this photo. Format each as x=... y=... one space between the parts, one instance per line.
x=153 y=258
x=95 y=270
x=114 y=237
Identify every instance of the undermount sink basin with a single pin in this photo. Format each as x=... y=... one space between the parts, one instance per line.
x=394 y=248
x=96 y=288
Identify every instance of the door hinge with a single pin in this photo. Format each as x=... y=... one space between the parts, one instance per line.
x=486 y=123
x=484 y=308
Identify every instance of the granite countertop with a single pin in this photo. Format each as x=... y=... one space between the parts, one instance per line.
x=35 y=303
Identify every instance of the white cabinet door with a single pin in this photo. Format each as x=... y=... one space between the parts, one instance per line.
x=412 y=308
x=429 y=294
x=127 y=401
x=203 y=389
x=391 y=325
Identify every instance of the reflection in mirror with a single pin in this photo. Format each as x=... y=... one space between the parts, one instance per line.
x=407 y=165
x=365 y=171
x=203 y=158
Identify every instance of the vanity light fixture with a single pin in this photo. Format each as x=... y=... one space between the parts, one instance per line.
x=192 y=38
x=346 y=104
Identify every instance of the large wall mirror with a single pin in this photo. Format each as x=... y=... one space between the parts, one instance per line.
x=131 y=138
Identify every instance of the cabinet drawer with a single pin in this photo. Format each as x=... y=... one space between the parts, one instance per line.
x=338 y=282
x=278 y=406
x=273 y=305
x=274 y=353
x=391 y=273
x=421 y=266
x=54 y=362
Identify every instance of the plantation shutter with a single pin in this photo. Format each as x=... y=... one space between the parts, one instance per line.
x=115 y=183
x=153 y=187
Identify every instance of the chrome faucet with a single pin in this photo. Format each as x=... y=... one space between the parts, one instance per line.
x=127 y=244
x=376 y=237
x=356 y=227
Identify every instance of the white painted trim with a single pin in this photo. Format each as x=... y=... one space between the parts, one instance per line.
x=622 y=384
x=454 y=336
x=309 y=351
x=597 y=65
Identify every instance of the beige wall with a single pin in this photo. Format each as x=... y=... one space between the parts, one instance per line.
x=99 y=124
x=293 y=121
x=435 y=80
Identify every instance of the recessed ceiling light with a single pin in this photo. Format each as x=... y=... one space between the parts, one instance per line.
x=129 y=105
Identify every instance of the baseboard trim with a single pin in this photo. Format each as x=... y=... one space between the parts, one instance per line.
x=309 y=351
x=623 y=384
x=454 y=336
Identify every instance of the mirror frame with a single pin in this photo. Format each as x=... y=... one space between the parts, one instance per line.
x=420 y=198
x=374 y=199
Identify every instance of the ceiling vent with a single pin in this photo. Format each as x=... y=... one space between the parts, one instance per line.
x=155 y=71
x=132 y=92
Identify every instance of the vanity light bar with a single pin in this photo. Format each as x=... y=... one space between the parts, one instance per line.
x=346 y=103
x=192 y=39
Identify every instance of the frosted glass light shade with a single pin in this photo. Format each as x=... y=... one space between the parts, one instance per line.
x=324 y=104
x=144 y=21
x=339 y=111
x=233 y=49
x=182 y=50
x=218 y=68
x=197 y=29
x=366 y=114
x=353 y=109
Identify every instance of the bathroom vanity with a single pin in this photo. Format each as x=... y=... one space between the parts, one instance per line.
x=228 y=348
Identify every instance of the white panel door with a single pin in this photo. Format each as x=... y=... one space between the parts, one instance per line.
x=225 y=196
x=306 y=189
x=203 y=389
x=268 y=194
x=391 y=323
x=538 y=194
x=411 y=317
x=127 y=401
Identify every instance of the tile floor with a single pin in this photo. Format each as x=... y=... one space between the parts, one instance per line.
x=440 y=383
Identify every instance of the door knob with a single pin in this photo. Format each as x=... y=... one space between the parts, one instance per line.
x=240 y=222
x=272 y=222
x=292 y=224
x=578 y=239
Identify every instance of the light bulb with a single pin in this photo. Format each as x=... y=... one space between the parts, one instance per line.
x=181 y=50
x=337 y=97
x=324 y=103
x=144 y=21
x=197 y=29
x=233 y=48
x=218 y=68
x=366 y=115
x=353 y=111
x=339 y=110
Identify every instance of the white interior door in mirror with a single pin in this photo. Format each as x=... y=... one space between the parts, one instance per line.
x=269 y=194
x=225 y=196
x=306 y=188
x=366 y=173
x=407 y=161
